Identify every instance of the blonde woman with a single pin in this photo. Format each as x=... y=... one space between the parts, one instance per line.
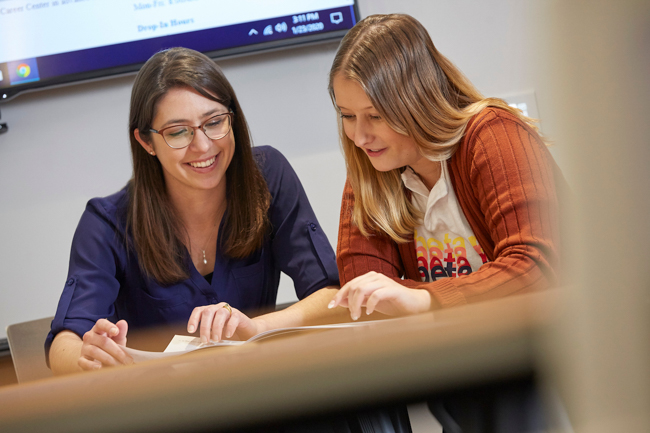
x=451 y=197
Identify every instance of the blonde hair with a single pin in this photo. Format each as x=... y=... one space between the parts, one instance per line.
x=418 y=92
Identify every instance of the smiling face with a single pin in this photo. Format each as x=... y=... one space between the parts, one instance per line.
x=202 y=165
x=386 y=148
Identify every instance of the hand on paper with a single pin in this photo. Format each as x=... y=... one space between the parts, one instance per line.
x=379 y=293
x=219 y=321
x=101 y=345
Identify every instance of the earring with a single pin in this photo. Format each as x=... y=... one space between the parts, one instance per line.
x=151 y=152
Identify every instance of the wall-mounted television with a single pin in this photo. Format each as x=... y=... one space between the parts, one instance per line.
x=45 y=43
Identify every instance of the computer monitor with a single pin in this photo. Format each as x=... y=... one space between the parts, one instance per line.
x=59 y=42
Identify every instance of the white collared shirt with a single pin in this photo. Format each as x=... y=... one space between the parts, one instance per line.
x=445 y=244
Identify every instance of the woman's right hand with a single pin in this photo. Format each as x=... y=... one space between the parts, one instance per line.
x=101 y=346
x=377 y=292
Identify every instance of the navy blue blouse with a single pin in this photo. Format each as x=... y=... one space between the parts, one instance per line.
x=105 y=282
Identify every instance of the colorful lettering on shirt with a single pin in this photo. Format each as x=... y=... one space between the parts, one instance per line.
x=444 y=259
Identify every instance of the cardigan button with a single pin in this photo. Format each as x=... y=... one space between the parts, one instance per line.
x=70 y=282
x=313 y=227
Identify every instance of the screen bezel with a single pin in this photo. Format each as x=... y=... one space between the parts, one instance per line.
x=7 y=94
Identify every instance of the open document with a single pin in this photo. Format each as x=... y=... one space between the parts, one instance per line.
x=184 y=343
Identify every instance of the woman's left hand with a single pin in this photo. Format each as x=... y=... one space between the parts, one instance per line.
x=379 y=293
x=221 y=321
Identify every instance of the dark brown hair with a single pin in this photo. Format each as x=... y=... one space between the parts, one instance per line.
x=157 y=231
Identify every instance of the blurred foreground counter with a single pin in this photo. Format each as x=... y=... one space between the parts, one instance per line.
x=304 y=375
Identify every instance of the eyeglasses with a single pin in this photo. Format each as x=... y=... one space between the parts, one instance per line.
x=180 y=136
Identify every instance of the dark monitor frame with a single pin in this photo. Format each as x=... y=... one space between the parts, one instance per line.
x=196 y=40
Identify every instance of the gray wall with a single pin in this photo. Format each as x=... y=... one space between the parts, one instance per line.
x=70 y=144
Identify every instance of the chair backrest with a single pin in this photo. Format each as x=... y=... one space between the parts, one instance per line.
x=26 y=344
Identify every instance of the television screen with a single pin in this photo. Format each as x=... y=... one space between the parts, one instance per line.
x=56 y=42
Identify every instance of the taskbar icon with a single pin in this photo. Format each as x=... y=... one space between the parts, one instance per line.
x=23 y=71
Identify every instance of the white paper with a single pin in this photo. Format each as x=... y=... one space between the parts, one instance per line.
x=185 y=343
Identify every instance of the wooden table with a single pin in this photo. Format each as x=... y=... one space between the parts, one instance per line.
x=280 y=379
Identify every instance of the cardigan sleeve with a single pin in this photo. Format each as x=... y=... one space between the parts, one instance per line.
x=505 y=181
x=357 y=255
x=503 y=176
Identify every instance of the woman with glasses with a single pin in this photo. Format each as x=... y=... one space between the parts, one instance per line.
x=198 y=235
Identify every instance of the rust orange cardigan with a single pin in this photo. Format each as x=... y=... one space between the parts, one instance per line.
x=505 y=180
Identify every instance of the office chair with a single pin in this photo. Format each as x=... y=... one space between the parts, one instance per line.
x=26 y=341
